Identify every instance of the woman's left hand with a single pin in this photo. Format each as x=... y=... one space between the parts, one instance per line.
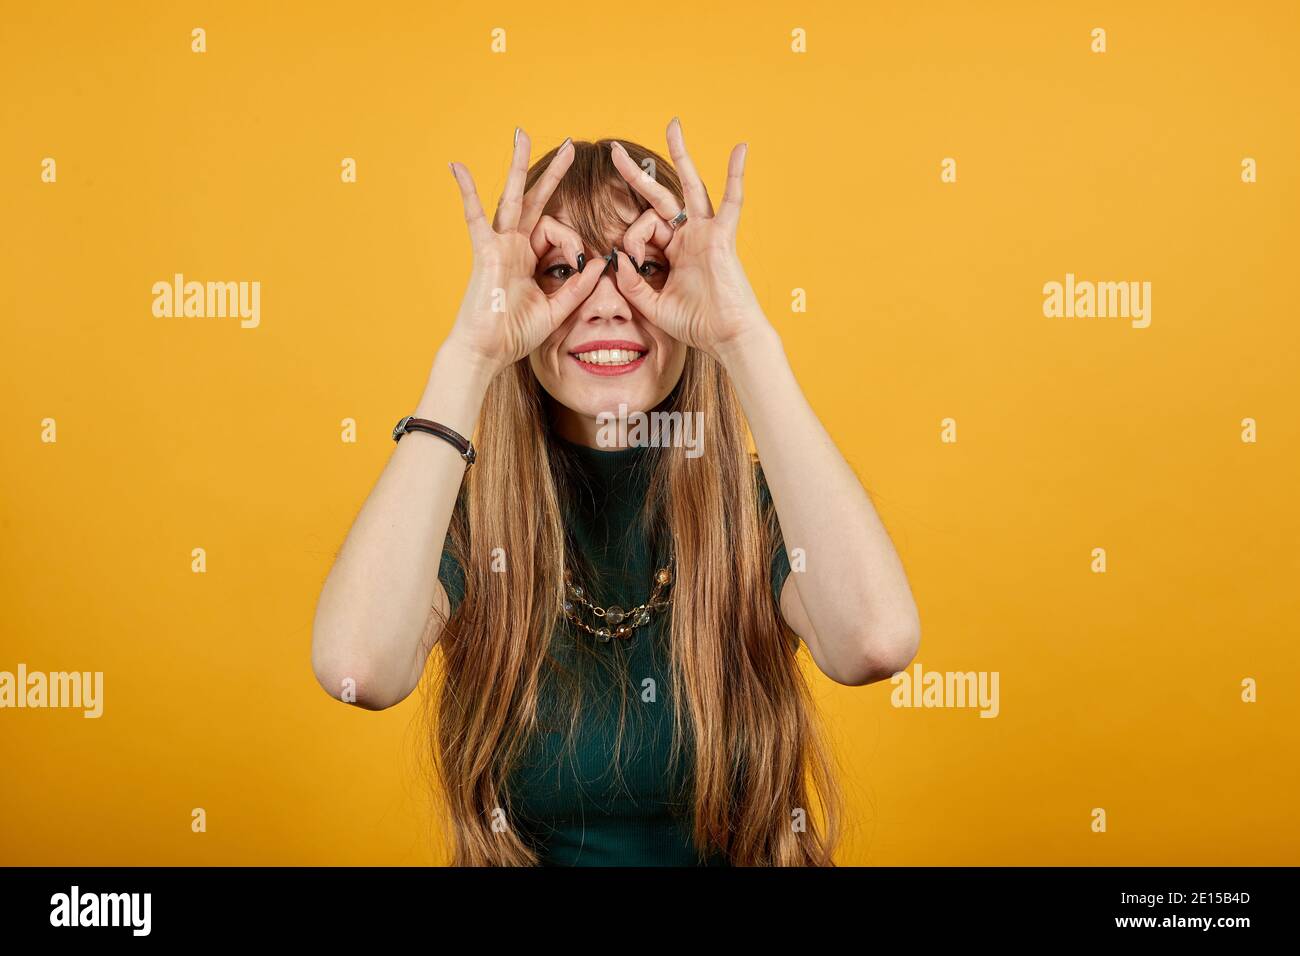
x=706 y=301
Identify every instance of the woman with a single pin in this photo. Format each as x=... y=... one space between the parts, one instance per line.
x=618 y=625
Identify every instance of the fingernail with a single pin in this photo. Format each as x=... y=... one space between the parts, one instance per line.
x=567 y=141
x=516 y=135
x=613 y=254
x=615 y=144
x=452 y=167
x=582 y=261
x=634 y=262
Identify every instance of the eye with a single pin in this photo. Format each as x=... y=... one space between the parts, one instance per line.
x=650 y=268
x=560 y=271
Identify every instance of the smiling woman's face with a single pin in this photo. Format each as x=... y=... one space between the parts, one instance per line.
x=605 y=354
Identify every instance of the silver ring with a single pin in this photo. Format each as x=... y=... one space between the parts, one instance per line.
x=677 y=220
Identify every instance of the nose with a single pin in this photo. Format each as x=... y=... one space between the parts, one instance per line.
x=605 y=301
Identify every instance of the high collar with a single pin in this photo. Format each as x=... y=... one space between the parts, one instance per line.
x=608 y=466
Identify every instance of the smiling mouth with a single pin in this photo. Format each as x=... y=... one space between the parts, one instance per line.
x=609 y=361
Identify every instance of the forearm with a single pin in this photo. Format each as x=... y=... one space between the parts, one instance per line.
x=375 y=603
x=854 y=590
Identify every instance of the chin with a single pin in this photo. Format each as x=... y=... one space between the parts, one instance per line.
x=590 y=395
x=612 y=399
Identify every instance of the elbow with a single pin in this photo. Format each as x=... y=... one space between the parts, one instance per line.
x=885 y=651
x=351 y=679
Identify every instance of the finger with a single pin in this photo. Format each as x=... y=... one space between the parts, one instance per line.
x=550 y=233
x=575 y=291
x=647 y=228
x=641 y=294
x=697 y=197
x=659 y=196
x=511 y=204
x=535 y=199
x=734 y=194
x=479 y=230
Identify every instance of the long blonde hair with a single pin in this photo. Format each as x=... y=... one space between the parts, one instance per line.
x=741 y=704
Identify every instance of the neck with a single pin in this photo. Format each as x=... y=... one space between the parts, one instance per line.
x=582 y=430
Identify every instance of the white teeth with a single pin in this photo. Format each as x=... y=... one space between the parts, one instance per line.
x=609 y=356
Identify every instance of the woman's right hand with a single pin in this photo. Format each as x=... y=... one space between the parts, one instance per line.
x=505 y=314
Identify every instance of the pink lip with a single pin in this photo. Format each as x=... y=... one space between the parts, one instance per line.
x=609 y=344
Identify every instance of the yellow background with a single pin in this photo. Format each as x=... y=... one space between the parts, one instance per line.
x=1119 y=691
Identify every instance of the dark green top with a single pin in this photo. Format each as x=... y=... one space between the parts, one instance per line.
x=581 y=804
